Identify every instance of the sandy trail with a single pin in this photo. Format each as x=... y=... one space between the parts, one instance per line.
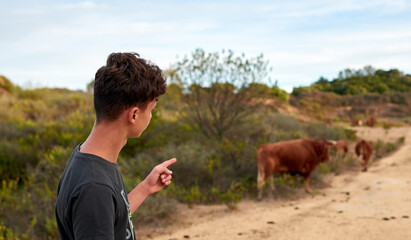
x=371 y=205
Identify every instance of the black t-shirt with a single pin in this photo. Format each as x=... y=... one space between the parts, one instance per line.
x=92 y=202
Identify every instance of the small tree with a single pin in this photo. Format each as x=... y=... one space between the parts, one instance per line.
x=212 y=83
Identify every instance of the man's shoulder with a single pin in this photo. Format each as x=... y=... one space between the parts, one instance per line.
x=83 y=169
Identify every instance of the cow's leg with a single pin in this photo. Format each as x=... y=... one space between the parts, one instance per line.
x=260 y=183
x=361 y=159
x=307 y=184
x=365 y=164
x=272 y=186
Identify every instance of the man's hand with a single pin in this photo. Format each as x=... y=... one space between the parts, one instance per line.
x=159 y=177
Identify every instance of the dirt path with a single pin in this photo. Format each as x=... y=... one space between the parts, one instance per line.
x=371 y=205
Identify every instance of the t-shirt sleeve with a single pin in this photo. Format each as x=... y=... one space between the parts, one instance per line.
x=93 y=213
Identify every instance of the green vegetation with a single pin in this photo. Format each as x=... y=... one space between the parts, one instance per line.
x=41 y=127
x=215 y=149
x=331 y=106
x=6 y=84
x=362 y=81
x=381 y=148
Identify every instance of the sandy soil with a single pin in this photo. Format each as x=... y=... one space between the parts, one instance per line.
x=371 y=205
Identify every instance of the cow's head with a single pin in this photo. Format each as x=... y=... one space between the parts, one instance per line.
x=321 y=148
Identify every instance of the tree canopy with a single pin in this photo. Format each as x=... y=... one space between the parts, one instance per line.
x=214 y=84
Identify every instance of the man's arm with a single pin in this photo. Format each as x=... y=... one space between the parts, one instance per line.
x=159 y=177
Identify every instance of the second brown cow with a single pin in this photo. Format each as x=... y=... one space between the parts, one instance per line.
x=371 y=121
x=340 y=147
x=364 y=149
x=294 y=157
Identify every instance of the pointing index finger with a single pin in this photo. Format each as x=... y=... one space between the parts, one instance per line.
x=169 y=162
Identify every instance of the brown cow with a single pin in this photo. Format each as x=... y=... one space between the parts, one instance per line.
x=364 y=149
x=371 y=121
x=357 y=122
x=329 y=122
x=294 y=157
x=340 y=147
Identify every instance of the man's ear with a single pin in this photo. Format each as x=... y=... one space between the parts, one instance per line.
x=132 y=115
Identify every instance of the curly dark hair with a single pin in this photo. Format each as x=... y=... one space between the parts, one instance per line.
x=126 y=81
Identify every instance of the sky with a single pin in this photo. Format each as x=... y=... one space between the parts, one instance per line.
x=47 y=43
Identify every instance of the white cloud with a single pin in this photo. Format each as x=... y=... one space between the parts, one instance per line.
x=303 y=8
x=79 y=5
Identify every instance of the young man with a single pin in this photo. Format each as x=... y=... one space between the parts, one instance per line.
x=91 y=198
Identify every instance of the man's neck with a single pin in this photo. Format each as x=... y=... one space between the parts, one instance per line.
x=105 y=140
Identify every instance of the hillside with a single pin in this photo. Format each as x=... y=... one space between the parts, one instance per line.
x=362 y=81
x=331 y=106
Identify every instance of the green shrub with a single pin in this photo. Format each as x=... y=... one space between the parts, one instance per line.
x=283 y=122
x=155 y=208
x=231 y=197
x=381 y=149
x=350 y=134
x=193 y=195
x=389 y=147
x=51 y=166
x=386 y=126
x=322 y=131
x=7 y=232
x=11 y=166
x=338 y=163
x=286 y=184
x=6 y=84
